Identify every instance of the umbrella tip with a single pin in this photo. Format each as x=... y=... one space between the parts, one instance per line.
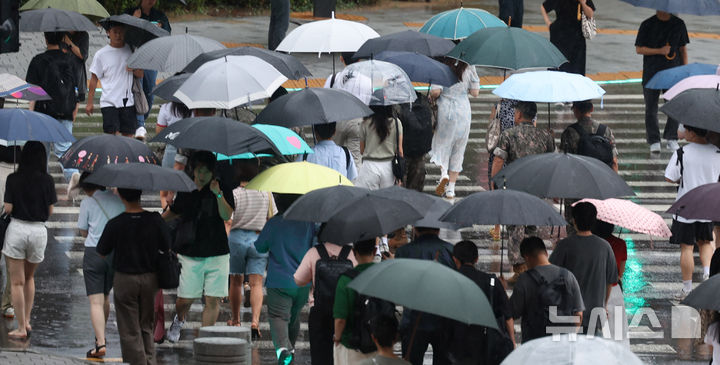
x=332 y=14
x=186 y=30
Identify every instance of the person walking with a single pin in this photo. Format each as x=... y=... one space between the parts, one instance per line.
x=8 y=155
x=662 y=41
x=522 y=140
x=135 y=238
x=381 y=137
x=453 y=124
x=566 y=31
x=692 y=165
x=95 y=211
x=504 y=111
x=169 y=114
x=329 y=154
x=286 y=241
x=511 y=12
x=279 y=22
x=29 y=199
x=201 y=243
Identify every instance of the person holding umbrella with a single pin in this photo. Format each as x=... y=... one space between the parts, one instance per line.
x=566 y=31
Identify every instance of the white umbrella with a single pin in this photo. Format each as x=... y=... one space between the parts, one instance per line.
x=572 y=350
x=229 y=82
x=327 y=36
x=549 y=87
x=171 y=54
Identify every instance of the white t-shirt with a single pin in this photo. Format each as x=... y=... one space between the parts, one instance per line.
x=92 y=217
x=166 y=117
x=711 y=338
x=701 y=165
x=110 y=66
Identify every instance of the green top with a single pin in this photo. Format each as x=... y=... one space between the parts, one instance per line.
x=344 y=305
x=374 y=148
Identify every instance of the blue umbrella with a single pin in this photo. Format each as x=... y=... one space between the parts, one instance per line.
x=460 y=23
x=549 y=87
x=26 y=125
x=666 y=79
x=694 y=7
x=242 y=156
x=420 y=68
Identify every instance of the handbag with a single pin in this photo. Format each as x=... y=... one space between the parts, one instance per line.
x=493 y=130
x=141 y=104
x=589 y=28
x=167 y=269
x=398 y=162
x=4 y=222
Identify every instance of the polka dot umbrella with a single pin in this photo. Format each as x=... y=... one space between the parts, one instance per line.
x=92 y=152
x=629 y=215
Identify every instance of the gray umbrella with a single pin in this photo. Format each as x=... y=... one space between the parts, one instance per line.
x=432 y=217
x=563 y=175
x=705 y=296
x=313 y=106
x=287 y=65
x=320 y=205
x=169 y=86
x=173 y=53
x=137 y=31
x=408 y=41
x=420 y=201
x=696 y=107
x=54 y=20
x=141 y=176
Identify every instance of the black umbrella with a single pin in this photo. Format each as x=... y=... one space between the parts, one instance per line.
x=408 y=41
x=137 y=31
x=92 y=152
x=54 y=20
x=288 y=65
x=141 y=176
x=695 y=107
x=169 y=86
x=701 y=202
x=432 y=217
x=216 y=134
x=366 y=217
x=313 y=106
x=420 y=201
x=321 y=204
x=705 y=296
x=563 y=175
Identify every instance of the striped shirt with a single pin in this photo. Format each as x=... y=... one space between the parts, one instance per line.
x=251 y=209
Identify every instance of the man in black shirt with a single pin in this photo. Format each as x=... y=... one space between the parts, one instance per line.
x=511 y=12
x=662 y=41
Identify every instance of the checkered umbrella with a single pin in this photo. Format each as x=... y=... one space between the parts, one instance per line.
x=629 y=215
x=173 y=53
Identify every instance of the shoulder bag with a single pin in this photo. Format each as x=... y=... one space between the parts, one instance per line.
x=141 y=104
x=4 y=222
x=398 y=162
x=589 y=29
x=493 y=130
x=167 y=268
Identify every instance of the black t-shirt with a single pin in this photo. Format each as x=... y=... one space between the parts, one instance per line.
x=655 y=33
x=136 y=239
x=566 y=11
x=39 y=73
x=31 y=195
x=202 y=206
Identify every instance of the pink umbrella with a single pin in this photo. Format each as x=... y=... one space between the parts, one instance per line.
x=629 y=215
x=693 y=82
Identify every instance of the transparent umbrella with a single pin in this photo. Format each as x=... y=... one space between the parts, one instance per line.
x=390 y=84
x=571 y=350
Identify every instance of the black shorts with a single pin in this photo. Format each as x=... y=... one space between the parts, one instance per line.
x=690 y=233
x=97 y=272
x=121 y=120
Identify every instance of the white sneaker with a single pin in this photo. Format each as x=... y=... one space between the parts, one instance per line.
x=72 y=191
x=681 y=294
x=672 y=144
x=655 y=147
x=705 y=277
x=450 y=193
x=173 y=334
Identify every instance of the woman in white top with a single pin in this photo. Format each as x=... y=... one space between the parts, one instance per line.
x=169 y=114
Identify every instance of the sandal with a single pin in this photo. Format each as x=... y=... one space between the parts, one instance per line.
x=440 y=189
x=233 y=323
x=99 y=352
x=16 y=336
x=494 y=234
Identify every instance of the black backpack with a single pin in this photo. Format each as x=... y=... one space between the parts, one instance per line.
x=554 y=293
x=366 y=308
x=59 y=82
x=416 y=119
x=595 y=145
x=327 y=271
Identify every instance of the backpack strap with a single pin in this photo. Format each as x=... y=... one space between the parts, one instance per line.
x=680 y=153
x=322 y=251
x=535 y=275
x=602 y=128
x=332 y=79
x=351 y=273
x=347 y=157
x=345 y=252
x=580 y=130
x=305 y=155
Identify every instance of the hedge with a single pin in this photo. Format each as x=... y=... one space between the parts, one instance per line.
x=117 y=6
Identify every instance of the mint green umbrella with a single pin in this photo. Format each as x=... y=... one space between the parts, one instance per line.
x=242 y=156
x=427 y=286
x=90 y=8
x=460 y=23
x=286 y=141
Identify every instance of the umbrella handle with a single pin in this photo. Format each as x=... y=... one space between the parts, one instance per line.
x=667 y=56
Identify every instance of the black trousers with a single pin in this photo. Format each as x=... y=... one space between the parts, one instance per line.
x=652 y=127
x=321 y=326
x=438 y=339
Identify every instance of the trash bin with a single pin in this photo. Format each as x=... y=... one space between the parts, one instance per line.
x=323 y=8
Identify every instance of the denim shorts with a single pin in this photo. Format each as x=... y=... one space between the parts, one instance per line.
x=244 y=258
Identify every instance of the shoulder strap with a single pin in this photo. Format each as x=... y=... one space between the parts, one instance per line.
x=345 y=252
x=580 y=130
x=397 y=137
x=271 y=212
x=602 y=128
x=332 y=79
x=680 y=153
x=101 y=207
x=305 y=155
x=352 y=273
x=322 y=251
x=539 y=279
x=347 y=157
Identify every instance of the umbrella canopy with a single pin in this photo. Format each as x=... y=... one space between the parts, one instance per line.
x=695 y=107
x=420 y=201
x=420 y=68
x=694 y=7
x=503 y=207
x=229 y=82
x=390 y=84
x=137 y=31
x=215 y=134
x=406 y=41
x=579 y=349
x=549 y=87
x=141 y=176
x=286 y=141
x=286 y=64
x=92 y=152
x=26 y=125
x=460 y=23
x=358 y=85
x=54 y=20
x=169 y=86
x=327 y=36
x=432 y=217
x=312 y=106
x=366 y=217
x=242 y=156
x=172 y=53
x=705 y=296
x=563 y=175
x=426 y=286
x=321 y=204
x=693 y=82
x=699 y=203
x=90 y=8
x=297 y=178
x=629 y=215
x=14 y=87
x=667 y=78
x=508 y=48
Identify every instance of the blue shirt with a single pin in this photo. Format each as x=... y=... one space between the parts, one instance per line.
x=93 y=219
x=287 y=242
x=328 y=154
